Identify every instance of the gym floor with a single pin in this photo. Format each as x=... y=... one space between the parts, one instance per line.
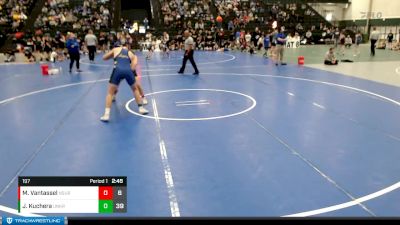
x=245 y=138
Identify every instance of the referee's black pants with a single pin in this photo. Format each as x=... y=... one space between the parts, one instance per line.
x=74 y=57
x=373 y=42
x=92 y=51
x=188 y=56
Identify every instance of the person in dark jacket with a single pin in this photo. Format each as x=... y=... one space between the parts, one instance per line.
x=73 y=50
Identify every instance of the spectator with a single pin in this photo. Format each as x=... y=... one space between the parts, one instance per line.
x=266 y=44
x=10 y=56
x=309 y=37
x=73 y=50
x=336 y=37
x=358 y=41
x=348 y=41
x=390 y=39
x=248 y=38
x=53 y=56
x=260 y=42
x=396 y=46
x=342 y=40
x=230 y=25
x=280 y=46
x=330 y=58
x=146 y=23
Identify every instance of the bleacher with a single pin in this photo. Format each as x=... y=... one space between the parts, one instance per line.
x=180 y=14
x=13 y=13
x=74 y=15
x=249 y=14
x=176 y=15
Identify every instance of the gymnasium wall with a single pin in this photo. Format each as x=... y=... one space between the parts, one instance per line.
x=359 y=9
x=380 y=9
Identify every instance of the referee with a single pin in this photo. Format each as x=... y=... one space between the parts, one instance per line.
x=189 y=50
x=91 y=42
x=374 y=38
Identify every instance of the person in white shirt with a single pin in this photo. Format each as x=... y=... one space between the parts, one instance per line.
x=309 y=36
x=91 y=42
x=374 y=38
x=157 y=46
x=357 y=41
x=260 y=42
x=330 y=58
x=149 y=44
x=247 y=37
x=165 y=43
x=189 y=51
x=53 y=56
x=348 y=41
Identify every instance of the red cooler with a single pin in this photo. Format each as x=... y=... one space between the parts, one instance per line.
x=45 y=69
x=301 y=60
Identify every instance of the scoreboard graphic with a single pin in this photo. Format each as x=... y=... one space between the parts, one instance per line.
x=72 y=195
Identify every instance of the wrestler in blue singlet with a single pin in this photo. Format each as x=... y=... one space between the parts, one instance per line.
x=122 y=69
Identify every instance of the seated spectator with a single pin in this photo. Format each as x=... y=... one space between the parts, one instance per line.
x=10 y=56
x=309 y=37
x=330 y=58
x=381 y=44
x=53 y=55
x=29 y=56
x=348 y=41
x=396 y=46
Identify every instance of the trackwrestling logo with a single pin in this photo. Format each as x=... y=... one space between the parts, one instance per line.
x=33 y=220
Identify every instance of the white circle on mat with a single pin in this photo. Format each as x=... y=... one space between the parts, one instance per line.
x=254 y=103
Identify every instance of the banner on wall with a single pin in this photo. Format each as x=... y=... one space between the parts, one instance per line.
x=293 y=42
